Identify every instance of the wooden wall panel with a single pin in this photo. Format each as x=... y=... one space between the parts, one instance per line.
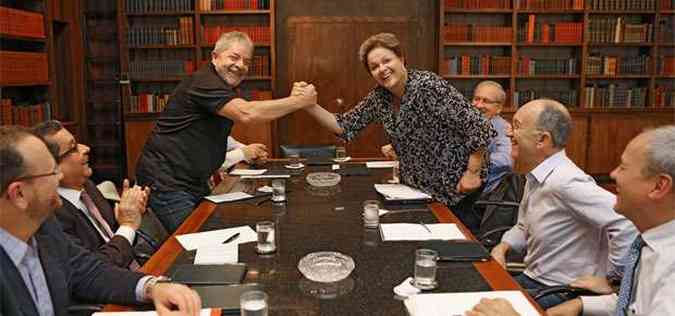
x=137 y=132
x=576 y=145
x=253 y=133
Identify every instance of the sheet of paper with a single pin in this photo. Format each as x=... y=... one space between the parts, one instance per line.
x=400 y=192
x=216 y=237
x=410 y=231
x=456 y=304
x=247 y=172
x=203 y=312
x=381 y=164
x=228 y=197
x=218 y=254
x=267 y=176
x=335 y=167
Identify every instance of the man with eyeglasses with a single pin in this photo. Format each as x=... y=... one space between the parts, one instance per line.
x=85 y=214
x=41 y=269
x=566 y=222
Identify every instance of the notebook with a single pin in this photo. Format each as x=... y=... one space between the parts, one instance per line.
x=461 y=250
x=225 y=297
x=210 y=274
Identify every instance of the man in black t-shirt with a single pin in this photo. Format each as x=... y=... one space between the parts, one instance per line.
x=188 y=142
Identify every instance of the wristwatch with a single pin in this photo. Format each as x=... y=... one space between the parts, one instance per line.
x=150 y=284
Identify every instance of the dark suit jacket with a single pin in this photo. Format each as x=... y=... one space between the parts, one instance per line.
x=117 y=251
x=72 y=272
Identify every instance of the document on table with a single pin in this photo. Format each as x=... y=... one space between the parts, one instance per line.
x=381 y=164
x=267 y=176
x=228 y=197
x=410 y=231
x=247 y=172
x=395 y=192
x=456 y=304
x=203 y=312
x=218 y=254
x=216 y=237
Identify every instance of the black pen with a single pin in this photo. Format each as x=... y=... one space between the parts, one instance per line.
x=232 y=238
x=425 y=227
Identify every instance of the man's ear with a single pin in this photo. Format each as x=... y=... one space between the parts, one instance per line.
x=662 y=187
x=16 y=195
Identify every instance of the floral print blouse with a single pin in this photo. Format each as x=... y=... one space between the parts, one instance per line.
x=434 y=132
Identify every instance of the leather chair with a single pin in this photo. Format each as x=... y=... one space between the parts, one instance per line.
x=308 y=151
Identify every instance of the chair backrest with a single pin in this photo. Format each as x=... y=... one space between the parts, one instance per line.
x=500 y=208
x=308 y=151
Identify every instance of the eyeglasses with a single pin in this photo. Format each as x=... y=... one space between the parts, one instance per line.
x=68 y=152
x=35 y=176
x=484 y=100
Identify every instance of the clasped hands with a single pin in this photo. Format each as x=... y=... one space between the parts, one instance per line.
x=131 y=207
x=305 y=92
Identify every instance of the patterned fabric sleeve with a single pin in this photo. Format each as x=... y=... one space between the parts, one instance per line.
x=364 y=113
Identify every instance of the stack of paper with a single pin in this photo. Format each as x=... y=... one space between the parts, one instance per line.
x=443 y=304
x=247 y=172
x=218 y=254
x=400 y=192
x=228 y=197
x=203 y=312
x=381 y=164
x=404 y=231
x=216 y=237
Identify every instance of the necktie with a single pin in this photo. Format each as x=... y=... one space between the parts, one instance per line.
x=626 y=290
x=98 y=220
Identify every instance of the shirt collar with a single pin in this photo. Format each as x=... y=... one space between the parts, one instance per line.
x=660 y=237
x=541 y=172
x=71 y=195
x=15 y=248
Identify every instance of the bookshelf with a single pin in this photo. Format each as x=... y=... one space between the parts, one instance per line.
x=163 y=42
x=24 y=63
x=605 y=59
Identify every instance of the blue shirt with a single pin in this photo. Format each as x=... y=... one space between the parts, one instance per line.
x=499 y=150
x=26 y=259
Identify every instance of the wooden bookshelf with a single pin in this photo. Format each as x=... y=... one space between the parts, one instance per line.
x=596 y=153
x=155 y=88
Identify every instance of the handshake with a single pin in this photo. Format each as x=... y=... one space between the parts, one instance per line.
x=304 y=93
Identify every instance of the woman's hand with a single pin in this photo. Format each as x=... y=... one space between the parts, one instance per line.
x=469 y=182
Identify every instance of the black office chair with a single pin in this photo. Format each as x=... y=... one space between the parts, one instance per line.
x=308 y=151
x=498 y=209
x=151 y=236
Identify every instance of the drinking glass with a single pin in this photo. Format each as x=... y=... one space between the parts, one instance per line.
x=371 y=213
x=253 y=303
x=266 y=238
x=425 y=269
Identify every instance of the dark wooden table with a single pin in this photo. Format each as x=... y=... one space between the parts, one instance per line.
x=329 y=220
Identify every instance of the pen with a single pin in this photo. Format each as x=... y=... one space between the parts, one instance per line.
x=425 y=227
x=232 y=238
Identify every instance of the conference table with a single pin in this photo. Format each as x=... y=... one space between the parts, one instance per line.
x=330 y=219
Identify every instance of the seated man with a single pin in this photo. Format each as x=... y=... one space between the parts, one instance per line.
x=41 y=269
x=238 y=152
x=85 y=215
x=645 y=195
x=566 y=222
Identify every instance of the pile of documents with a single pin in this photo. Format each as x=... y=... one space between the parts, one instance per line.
x=210 y=247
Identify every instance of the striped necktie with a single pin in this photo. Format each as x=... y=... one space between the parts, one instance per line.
x=626 y=290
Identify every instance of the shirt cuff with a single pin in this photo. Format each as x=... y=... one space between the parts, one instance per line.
x=140 y=289
x=516 y=239
x=232 y=158
x=603 y=305
x=127 y=232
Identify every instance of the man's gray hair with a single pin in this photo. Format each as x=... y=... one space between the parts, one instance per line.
x=555 y=119
x=660 y=151
x=227 y=39
x=501 y=94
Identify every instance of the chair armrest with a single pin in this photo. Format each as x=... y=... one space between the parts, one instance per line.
x=84 y=308
x=573 y=291
x=498 y=203
x=151 y=241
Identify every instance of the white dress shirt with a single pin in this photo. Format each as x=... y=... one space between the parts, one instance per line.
x=654 y=291
x=73 y=196
x=568 y=225
x=235 y=153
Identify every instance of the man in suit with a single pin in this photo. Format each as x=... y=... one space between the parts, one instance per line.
x=41 y=269
x=566 y=222
x=86 y=215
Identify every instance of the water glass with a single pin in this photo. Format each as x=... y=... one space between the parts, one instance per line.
x=266 y=238
x=395 y=173
x=294 y=160
x=340 y=153
x=278 y=191
x=425 y=269
x=253 y=303
x=371 y=213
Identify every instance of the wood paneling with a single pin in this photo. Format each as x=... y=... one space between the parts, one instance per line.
x=253 y=133
x=137 y=133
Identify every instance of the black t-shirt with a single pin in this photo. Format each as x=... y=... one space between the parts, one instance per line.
x=189 y=140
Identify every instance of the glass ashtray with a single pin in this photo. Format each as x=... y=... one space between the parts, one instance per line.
x=323 y=179
x=326 y=266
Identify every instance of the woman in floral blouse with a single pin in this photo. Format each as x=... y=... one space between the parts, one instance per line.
x=438 y=136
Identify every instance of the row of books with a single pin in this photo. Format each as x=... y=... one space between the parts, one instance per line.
x=260 y=66
x=21 y=23
x=615 y=95
x=612 y=65
x=611 y=29
x=477 y=4
x=23 y=67
x=476 y=33
x=258 y=34
x=546 y=66
x=566 y=97
x=664 y=96
x=667 y=4
x=178 y=33
x=622 y=4
x=666 y=65
x=551 y=4
x=211 y=5
x=140 y=6
x=150 y=69
x=147 y=102
x=666 y=30
x=559 y=32
x=25 y=115
x=479 y=65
